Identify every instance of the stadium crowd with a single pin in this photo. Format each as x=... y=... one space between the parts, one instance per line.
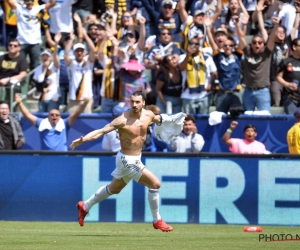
x=185 y=55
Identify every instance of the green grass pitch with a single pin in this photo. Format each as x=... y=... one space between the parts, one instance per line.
x=141 y=236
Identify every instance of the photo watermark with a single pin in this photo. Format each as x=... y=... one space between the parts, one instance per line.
x=278 y=237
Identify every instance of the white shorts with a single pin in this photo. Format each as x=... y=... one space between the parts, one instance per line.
x=128 y=167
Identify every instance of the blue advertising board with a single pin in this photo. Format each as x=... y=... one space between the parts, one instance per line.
x=271 y=130
x=209 y=189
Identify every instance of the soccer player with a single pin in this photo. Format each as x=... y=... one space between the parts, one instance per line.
x=132 y=126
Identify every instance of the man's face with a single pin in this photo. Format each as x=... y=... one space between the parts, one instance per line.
x=101 y=33
x=13 y=47
x=194 y=43
x=257 y=44
x=165 y=36
x=199 y=19
x=131 y=38
x=136 y=103
x=126 y=19
x=250 y=134
x=234 y=6
x=54 y=117
x=220 y=38
x=93 y=31
x=228 y=47
x=79 y=54
x=28 y=3
x=45 y=58
x=188 y=127
x=296 y=49
x=280 y=34
x=167 y=11
x=4 y=111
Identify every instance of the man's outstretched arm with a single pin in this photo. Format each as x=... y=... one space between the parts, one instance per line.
x=96 y=134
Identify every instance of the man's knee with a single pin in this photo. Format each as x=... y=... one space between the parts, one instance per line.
x=155 y=185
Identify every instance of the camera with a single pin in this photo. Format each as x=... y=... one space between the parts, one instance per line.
x=106 y=16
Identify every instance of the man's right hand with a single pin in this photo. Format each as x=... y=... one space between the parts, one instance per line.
x=233 y=125
x=18 y=97
x=76 y=143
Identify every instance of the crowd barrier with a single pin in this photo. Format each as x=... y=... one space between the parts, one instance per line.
x=271 y=131
x=206 y=188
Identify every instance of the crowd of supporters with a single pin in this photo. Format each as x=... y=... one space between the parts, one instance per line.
x=185 y=55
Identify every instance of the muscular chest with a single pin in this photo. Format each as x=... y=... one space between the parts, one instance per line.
x=137 y=128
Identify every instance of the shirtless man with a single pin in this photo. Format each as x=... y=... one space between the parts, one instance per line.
x=132 y=126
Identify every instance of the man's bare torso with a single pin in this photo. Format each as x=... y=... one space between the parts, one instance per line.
x=133 y=133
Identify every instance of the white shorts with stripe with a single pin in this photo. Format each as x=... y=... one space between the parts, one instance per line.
x=128 y=167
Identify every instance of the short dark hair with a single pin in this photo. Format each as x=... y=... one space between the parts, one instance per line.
x=91 y=25
x=257 y=35
x=4 y=102
x=139 y=93
x=294 y=43
x=283 y=27
x=190 y=118
x=14 y=40
x=249 y=126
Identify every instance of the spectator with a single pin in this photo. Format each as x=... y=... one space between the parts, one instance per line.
x=61 y=17
x=220 y=36
x=256 y=70
x=111 y=89
x=13 y=67
x=212 y=8
x=45 y=77
x=293 y=135
x=199 y=72
x=281 y=51
x=29 y=28
x=287 y=16
x=53 y=129
x=132 y=77
x=237 y=13
x=169 y=84
x=244 y=146
x=168 y=19
x=163 y=48
x=228 y=62
x=134 y=43
x=188 y=140
x=127 y=23
x=193 y=27
x=11 y=134
x=80 y=69
x=289 y=77
x=63 y=71
x=156 y=53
